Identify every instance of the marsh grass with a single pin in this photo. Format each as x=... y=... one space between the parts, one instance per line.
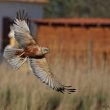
x=21 y=90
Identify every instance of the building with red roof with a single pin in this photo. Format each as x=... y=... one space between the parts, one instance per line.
x=74 y=35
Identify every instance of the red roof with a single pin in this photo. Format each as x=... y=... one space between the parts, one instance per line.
x=74 y=21
x=28 y=1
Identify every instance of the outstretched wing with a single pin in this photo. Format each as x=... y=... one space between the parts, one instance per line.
x=21 y=30
x=40 y=69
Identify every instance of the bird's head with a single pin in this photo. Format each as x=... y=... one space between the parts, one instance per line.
x=44 y=50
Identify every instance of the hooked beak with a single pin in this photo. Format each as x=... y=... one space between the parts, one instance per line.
x=45 y=50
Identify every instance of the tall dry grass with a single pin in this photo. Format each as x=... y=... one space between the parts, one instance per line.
x=20 y=90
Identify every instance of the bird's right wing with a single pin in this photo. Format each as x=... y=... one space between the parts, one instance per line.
x=21 y=30
x=41 y=69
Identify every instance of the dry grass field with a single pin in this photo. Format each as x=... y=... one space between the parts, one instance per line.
x=21 y=90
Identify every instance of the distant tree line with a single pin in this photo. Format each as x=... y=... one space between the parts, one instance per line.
x=77 y=8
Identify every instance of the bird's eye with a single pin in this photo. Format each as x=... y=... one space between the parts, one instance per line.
x=46 y=49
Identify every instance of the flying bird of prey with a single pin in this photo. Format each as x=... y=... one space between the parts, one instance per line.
x=29 y=50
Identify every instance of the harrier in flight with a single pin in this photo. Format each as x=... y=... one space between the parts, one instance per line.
x=29 y=50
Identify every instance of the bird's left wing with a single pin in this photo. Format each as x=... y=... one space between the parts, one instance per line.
x=41 y=69
x=21 y=30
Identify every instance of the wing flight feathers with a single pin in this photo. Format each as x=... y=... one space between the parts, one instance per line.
x=22 y=31
x=41 y=70
x=22 y=16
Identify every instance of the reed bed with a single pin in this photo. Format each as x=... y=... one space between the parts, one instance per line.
x=21 y=90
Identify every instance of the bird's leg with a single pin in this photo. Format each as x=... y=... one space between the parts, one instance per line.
x=21 y=54
x=23 y=61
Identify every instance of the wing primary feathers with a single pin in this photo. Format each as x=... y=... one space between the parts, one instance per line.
x=17 y=15
x=26 y=18
x=69 y=90
x=66 y=89
x=41 y=70
x=22 y=15
x=21 y=30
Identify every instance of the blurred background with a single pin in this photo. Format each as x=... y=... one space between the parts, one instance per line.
x=78 y=35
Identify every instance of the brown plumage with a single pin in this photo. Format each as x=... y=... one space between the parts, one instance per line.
x=31 y=51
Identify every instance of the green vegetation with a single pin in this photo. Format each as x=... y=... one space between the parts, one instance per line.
x=77 y=8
